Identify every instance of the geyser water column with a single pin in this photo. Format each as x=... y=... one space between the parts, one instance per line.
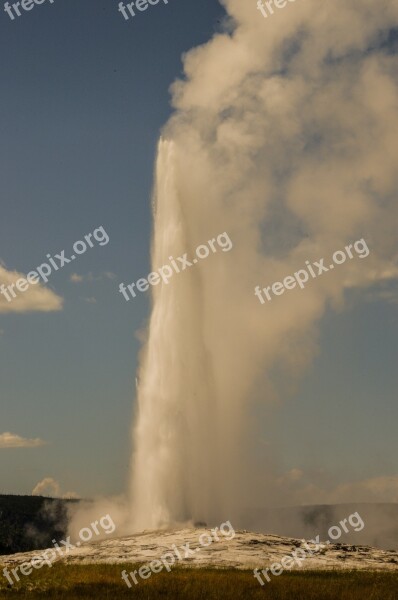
x=175 y=441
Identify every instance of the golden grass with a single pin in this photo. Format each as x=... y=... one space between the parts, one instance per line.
x=83 y=582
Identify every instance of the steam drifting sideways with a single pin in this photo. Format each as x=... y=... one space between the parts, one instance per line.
x=285 y=136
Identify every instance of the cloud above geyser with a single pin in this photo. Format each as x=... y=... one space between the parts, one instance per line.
x=36 y=298
x=284 y=136
x=12 y=440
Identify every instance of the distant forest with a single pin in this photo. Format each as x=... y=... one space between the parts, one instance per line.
x=31 y=522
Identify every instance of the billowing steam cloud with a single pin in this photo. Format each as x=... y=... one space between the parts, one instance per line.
x=284 y=136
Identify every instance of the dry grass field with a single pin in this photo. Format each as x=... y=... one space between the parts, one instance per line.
x=86 y=582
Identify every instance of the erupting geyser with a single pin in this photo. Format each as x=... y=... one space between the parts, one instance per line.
x=175 y=433
x=285 y=150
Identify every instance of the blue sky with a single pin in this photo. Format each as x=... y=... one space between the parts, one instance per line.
x=85 y=94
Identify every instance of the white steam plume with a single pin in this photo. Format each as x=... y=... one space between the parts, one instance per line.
x=285 y=136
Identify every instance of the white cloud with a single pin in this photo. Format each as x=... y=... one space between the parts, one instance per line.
x=375 y=489
x=47 y=487
x=75 y=278
x=11 y=440
x=291 y=476
x=36 y=298
x=109 y=275
x=90 y=278
x=51 y=488
x=316 y=488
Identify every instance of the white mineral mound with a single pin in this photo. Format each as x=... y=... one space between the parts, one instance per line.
x=245 y=551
